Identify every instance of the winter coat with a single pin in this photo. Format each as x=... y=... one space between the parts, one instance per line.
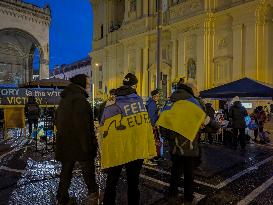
x=32 y=110
x=260 y=117
x=209 y=110
x=152 y=110
x=178 y=144
x=76 y=140
x=237 y=113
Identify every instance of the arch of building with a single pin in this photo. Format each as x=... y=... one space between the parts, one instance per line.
x=24 y=28
x=17 y=49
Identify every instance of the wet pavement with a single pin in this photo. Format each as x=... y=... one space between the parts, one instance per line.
x=225 y=176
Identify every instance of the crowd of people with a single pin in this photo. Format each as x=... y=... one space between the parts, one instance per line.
x=76 y=139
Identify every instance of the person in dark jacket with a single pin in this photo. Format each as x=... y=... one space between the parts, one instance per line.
x=210 y=112
x=132 y=168
x=76 y=140
x=260 y=118
x=153 y=111
x=32 y=112
x=183 y=152
x=237 y=114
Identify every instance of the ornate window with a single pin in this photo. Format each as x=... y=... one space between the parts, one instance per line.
x=132 y=5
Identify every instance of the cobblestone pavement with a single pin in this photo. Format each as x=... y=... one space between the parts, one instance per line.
x=225 y=176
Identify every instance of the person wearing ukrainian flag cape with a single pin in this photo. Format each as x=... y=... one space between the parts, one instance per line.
x=125 y=140
x=179 y=123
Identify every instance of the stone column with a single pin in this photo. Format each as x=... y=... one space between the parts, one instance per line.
x=152 y=6
x=269 y=51
x=259 y=35
x=145 y=7
x=139 y=68
x=181 y=70
x=263 y=17
x=174 y=72
x=44 y=61
x=200 y=60
x=145 y=85
x=126 y=17
x=209 y=52
x=250 y=50
x=238 y=51
x=139 y=8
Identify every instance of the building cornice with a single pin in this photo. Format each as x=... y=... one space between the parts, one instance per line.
x=26 y=11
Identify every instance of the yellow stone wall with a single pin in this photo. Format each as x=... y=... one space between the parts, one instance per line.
x=225 y=39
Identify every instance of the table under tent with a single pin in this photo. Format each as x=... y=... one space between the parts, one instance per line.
x=249 y=92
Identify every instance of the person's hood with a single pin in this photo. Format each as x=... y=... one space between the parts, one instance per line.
x=125 y=90
x=73 y=89
x=180 y=94
x=131 y=98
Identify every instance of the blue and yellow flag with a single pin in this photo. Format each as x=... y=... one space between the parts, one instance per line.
x=184 y=117
x=126 y=133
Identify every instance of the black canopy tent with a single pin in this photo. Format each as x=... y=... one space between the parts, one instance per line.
x=244 y=87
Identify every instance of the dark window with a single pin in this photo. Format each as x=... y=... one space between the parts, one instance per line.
x=100 y=68
x=100 y=85
x=101 y=31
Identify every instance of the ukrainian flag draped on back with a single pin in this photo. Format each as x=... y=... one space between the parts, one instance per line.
x=126 y=133
x=184 y=117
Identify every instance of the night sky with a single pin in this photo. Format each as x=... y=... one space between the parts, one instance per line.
x=70 y=30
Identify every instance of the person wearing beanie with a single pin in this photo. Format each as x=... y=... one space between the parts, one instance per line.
x=130 y=80
x=153 y=110
x=184 y=153
x=129 y=105
x=76 y=139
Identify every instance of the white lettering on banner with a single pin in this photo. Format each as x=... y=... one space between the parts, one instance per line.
x=141 y=109
x=9 y=91
x=126 y=109
x=21 y=100
x=134 y=108
x=28 y=93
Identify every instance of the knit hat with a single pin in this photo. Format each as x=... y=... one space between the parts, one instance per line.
x=130 y=80
x=79 y=80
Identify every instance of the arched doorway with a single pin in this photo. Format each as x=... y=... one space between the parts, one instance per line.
x=17 y=53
